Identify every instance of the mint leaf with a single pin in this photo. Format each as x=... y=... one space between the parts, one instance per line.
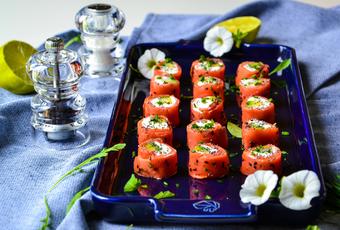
x=46 y=219
x=90 y=160
x=283 y=65
x=165 y=194
x=234 y=130
x=75 y=198
x=132 y=184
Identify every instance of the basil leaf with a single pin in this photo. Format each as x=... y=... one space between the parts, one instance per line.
x=132 y=184
x=283 y=65
x=234 y=130
x=75 y=198
x=165 y=194
x=89 y=160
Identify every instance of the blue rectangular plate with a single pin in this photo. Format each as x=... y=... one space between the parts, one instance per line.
x=189 y=206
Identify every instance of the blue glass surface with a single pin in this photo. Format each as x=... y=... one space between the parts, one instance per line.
x=188 y=206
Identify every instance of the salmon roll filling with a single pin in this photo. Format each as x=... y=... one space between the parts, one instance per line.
x=207 y=66
x=259 y=108
x=262 y=157
x=258 y=132
x=156 y=160
x=253 y=87
x=169 y=67
x=206 y=131
x=154 y=126
x=251 y=69
x=209 y=107
x=208 y=86
x=164 y=84
x=208 y=161
x=166 y=105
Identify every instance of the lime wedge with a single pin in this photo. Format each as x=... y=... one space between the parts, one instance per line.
x=13 y=58
x=248 y=25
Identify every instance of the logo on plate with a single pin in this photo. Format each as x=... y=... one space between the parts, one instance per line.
x=207 y=205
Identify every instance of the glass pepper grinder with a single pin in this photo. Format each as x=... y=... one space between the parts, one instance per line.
x=101 y=53
x=58 y=108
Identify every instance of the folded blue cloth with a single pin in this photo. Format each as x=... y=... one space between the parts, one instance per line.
x=29 y=171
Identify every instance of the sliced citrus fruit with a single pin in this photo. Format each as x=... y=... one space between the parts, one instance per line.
x=247 y=25
x=13 y=58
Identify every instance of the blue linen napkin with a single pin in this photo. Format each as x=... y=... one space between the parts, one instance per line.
x=29 y=171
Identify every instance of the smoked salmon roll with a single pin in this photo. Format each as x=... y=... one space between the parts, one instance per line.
x=156 y=160
x=209 y=107
x=262 y=157
x=164 y=84
x=169 y=67
x=206 y=131
x=250 y=69
x=259 y=108
x=253 y=87
x=207 y=66
x=208 y=161
x=258 y=132
x=166 y=105
x=154 y=126
x=208 y=86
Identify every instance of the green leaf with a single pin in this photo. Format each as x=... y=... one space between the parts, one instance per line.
x=73 y=40
x=103 y=153
x=283 y=65
x=234 y=130
x=312 y=227
x=46 y=219
x=75 y=198
x=132 y=184
x=165 y=194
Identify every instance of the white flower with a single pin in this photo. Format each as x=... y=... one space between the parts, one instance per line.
x=298 y=189
x=218 y=41
x=258 y=186
x=147 y=62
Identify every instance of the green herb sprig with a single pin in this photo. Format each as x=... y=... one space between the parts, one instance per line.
x=88 y=161
x=165 y=194
x=132 y=184
x=238 y=37
x=73 y=40
x=46 y=219
x=75 y=198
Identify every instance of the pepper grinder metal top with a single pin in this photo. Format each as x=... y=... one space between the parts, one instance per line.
x=58 y=108
x=99 y=25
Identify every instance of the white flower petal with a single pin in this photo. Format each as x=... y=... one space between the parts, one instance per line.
x=264 y=179
x=310 y=184
x=218 y=41
x=152 y=56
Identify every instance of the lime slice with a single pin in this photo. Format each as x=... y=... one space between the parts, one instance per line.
x=13 y=58
x=247 y=24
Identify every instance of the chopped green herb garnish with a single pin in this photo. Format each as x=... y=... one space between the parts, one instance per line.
x=312 y=227
x=132 y=184
x=144 y=186
x=207 y=197
x=206 y=125
x=231 y=155
x=165 y=194
x=220 y=181
x=256 y=65
x=133 y=154
x=285 y=133
x=186 y=97
x=177 y=185
x=234 y=130
x=196 y=191
x=168 y=60
x=165 y=183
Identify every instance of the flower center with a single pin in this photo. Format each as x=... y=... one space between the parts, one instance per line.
x=151 y=63
x=260 y=189
x=299 y=190
x=219 y=41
